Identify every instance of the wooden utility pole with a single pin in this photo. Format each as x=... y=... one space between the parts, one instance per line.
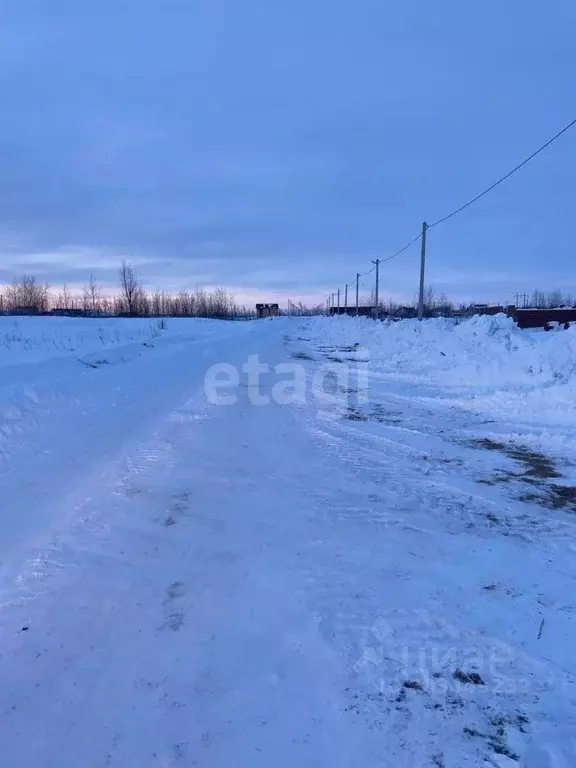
x=422 y=271
x=346 y=299
x=357 y=284
x=338 y=300
x=376 y=307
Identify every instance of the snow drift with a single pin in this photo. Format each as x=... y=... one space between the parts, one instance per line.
x=483 y=364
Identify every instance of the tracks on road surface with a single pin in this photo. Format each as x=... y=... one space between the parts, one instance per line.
x=249 y=585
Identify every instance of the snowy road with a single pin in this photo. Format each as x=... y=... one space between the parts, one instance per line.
x=191 y=584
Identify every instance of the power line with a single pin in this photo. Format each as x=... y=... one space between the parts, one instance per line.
x=383 y=261
x=507 y=176
x=405 y=248
x=425 y=227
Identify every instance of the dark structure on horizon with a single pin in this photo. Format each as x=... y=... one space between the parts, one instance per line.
x=362 y=311
x=399 y=314
x=531 y=317
x=267 y=310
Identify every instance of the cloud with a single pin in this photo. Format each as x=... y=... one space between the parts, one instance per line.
x=281 y=147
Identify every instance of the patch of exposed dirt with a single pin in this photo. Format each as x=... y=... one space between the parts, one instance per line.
x=94 y=363
x=555 y=497
x=448 y=460
x=496 y=735
x=342 y=348
x=349 y=348
x=539 y=473
x=492 y=733
x=536 y=464
x=376 y=413
x=385 y=415
x=471 y=678
x=355 y=414
x=173 y=618
x=339 y=354
x=413 y=685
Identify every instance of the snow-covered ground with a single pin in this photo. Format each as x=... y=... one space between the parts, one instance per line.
x=524 y=380
x=35 y=339
x=371 y=567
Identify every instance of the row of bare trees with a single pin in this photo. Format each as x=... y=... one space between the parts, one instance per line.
x=557 y=298
x=435 y=304
x=27 y=295
x=439 y=305
x=26 y=292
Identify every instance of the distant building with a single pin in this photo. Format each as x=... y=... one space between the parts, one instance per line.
x=361 y=311
x=24 y=311
x=267 y=310
x=68 y=312
x=486 y=309
x=544 y=318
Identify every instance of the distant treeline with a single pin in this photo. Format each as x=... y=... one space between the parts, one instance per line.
x=26 y=295
x=439 y=305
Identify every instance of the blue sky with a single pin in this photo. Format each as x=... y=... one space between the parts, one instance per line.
x=277 y=147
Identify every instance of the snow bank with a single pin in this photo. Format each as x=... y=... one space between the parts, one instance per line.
x=480 y=352
x=483 y=364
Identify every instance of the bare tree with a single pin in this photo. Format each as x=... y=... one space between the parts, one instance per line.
x=444 y=306
x=201 y=303
x=220 y=304
x=91 y=296
x=65 y=299
x=27 y=295
x=132 y=291
x=156 y=304
x=429 y=299
x=555 y=299
x=106 y=305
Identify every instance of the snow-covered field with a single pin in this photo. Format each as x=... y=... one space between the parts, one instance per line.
x=378 y=571
x=35 y=339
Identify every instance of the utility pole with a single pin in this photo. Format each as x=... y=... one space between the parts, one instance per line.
x=376 y=308
x=346 y=299
x=338 y=300
x=333 y=303
x=422 y=271
x=357 y=284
